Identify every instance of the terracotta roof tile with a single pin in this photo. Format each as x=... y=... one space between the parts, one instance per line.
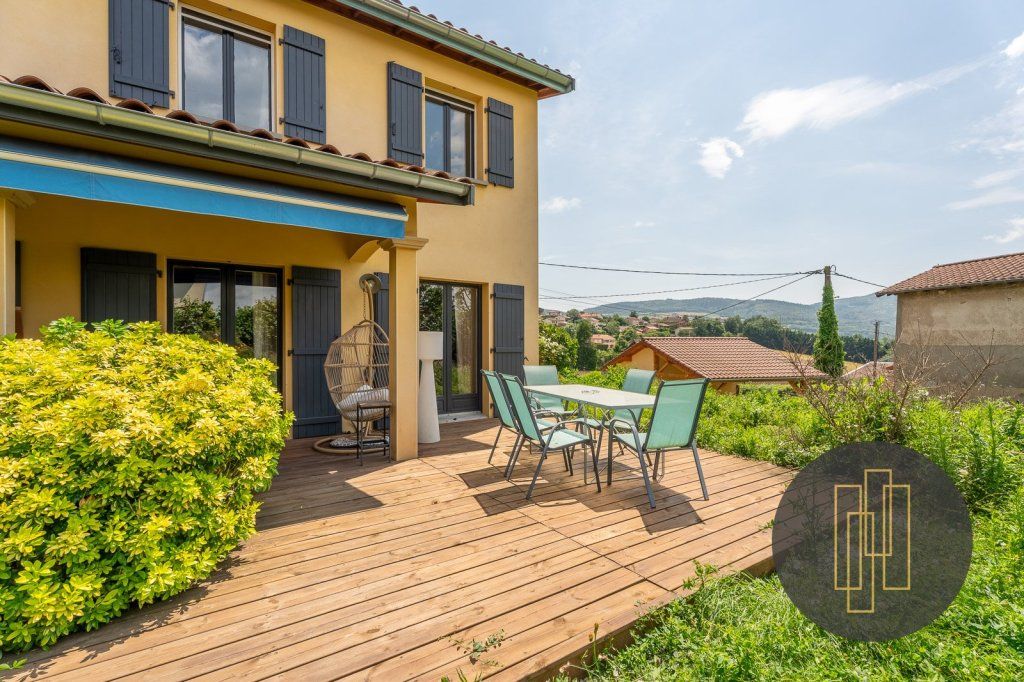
x=415 y=9
x=967 y=273
x=726 y=358
x=136 y=105
x=90 y=95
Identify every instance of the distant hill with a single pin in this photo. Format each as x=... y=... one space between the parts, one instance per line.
x=856 y=315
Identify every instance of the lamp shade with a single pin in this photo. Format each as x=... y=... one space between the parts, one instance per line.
x=431 y=345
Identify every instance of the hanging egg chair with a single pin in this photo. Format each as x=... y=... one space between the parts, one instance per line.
x=357 y=376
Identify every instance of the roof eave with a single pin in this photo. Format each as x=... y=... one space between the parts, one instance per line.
x=893 y=291
x=51 y=110
x=547 y=81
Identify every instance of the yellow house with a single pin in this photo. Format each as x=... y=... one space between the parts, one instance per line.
x=198 y=163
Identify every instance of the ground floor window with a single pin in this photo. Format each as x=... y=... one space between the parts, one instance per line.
x=454 y=309
x=233 y=304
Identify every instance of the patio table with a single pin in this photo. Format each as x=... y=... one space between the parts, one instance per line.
x=605 y=400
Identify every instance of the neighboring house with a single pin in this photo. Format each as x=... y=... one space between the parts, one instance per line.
x=157 y=155
x=965 y=320
x=870 y=370
x=604 y=341
x=727 y=361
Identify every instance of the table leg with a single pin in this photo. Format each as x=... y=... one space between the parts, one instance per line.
x=611 y=437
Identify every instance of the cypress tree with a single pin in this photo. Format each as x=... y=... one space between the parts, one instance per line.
x=828 y=346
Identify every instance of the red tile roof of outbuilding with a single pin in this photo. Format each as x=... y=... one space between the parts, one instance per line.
x=966 y=273
x=724 y=358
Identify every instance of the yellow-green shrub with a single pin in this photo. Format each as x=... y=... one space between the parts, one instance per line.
x=129 y=460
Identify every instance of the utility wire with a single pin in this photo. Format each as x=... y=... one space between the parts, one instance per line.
x=694 y=274
x=763 y=293
x=855 y=279
x=673 y=291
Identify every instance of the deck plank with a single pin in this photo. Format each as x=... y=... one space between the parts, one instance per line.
x=376 y=571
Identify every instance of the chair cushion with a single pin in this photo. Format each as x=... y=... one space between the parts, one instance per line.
x=627 y=439
x=565 y=438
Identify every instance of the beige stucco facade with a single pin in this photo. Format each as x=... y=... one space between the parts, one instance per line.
x=493 y=241
x=960 y=331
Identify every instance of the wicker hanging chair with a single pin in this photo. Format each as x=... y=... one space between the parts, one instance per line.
x=357 y=376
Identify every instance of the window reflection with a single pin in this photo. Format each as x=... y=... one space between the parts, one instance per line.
x=203 y=71
x=252 y=85
x=449 y=131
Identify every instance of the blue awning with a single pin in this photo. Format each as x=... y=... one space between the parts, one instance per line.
x=51 y=169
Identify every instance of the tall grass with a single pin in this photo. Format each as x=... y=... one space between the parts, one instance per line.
x=741 y=628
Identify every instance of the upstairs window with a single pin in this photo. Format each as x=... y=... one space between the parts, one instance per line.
x=225 y=72
x=449 y=130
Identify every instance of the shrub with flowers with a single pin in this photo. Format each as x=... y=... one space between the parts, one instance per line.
x=129 y=464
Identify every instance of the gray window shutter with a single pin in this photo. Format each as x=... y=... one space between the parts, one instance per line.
x=509 y=329
x=405 y=114
x=500 y=144
x=316 y=322
x=118 y=285
x=139 y=50
x=305 y=86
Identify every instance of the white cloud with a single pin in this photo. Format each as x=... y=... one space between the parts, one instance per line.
x=1012 y=234
x=717 y=155
x=997 y=178
x=775 y=113
x=560 y=204
x=1015 y=48
x=996 y=197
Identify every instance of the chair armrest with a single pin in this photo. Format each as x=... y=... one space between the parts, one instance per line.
x=632 y=428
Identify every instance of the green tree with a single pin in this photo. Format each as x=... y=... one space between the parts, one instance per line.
x=587 y=357
x=573 y=315
x=708 y=326
x=828 y=346
x=627 y=337
x=557 y=347
x=734 y=324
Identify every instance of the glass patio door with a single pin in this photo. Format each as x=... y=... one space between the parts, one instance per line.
x=237 y=305
x=454 y=310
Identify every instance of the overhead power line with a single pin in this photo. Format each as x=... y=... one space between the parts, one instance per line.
x=840 y=274
x=674 y=291
x=756 y=296
x=600 y=268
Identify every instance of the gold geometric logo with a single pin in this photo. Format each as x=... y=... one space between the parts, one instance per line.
x=871 y=528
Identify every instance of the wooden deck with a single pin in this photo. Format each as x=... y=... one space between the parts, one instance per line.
x=378 y=572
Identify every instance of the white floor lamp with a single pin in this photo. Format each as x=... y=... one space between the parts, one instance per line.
x=431 y=347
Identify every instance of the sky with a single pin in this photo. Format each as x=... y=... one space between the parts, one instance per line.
x=769 y=137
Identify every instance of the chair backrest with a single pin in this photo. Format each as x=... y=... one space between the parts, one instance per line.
x=520 y=405
x=540 y=375
x=499 y=399
x=676 y=410
x=638 y=380
x=543 y=375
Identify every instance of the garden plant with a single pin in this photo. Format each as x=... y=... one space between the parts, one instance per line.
x=129 y=464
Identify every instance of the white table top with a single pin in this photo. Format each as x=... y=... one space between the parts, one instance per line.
x=604 y=398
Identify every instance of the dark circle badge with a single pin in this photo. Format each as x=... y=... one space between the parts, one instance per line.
x=872 y=541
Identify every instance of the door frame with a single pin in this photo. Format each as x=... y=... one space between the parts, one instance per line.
x=227 y=302
x=463 y=402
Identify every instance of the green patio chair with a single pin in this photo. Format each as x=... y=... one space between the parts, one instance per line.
x=505 y=417
x=545 y=405
x=560 y=437
x=673 y=427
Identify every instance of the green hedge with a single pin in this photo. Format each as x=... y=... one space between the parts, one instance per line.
x=129 y=460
